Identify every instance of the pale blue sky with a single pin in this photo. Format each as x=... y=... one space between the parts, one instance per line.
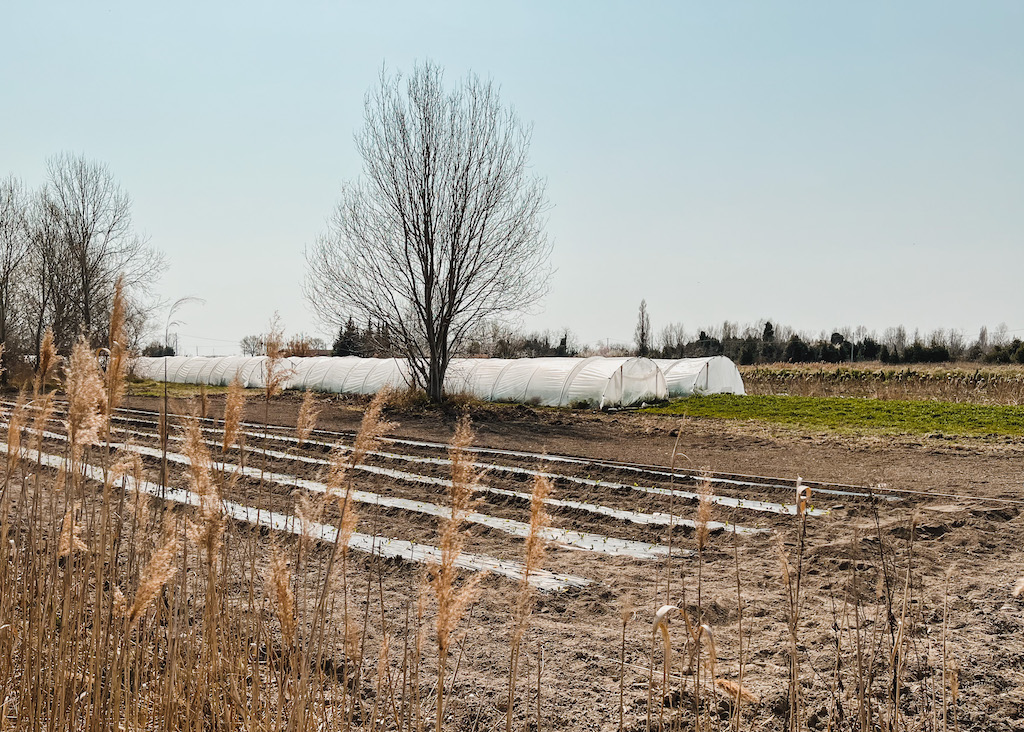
x=818 y=164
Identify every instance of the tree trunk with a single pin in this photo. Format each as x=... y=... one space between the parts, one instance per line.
x=435 y=380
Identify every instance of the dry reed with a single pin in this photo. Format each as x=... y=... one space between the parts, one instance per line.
x=86 y=397
x=533 y=556
x=234 y=412
x=452 y=600
x=309 y=411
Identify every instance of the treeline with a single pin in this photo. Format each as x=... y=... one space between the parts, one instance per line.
x=62 y=248
x=487 y=340
x=767 y=343
x=762 y=342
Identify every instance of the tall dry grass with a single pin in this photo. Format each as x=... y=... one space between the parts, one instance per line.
x=129 y=613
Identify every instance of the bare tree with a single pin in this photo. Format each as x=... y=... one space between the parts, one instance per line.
x=84 y=241
x=643 y=330
x=253 y=345
x=14 y=247
x=673 y=340
x=446 y=227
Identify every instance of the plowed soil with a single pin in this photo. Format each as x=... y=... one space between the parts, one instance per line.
x=957 y=528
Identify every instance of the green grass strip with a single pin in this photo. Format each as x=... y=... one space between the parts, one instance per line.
x=856 y=414
x=178 y=391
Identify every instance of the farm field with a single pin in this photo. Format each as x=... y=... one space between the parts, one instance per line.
x=923 y=563
x=978 y=383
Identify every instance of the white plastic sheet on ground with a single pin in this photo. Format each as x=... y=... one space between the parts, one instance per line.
x=553 y=382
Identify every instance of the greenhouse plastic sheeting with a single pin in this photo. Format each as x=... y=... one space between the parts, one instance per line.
x=601 y=382
x=712 y=375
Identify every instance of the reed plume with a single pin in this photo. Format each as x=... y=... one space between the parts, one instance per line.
x=158 y=572
x=86 y=397
x=47 y=363
x=308 y=414
x=234 y=410
x=117 y=363
x=372 y=428
x=70 y=535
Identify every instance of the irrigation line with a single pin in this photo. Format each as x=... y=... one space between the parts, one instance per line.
x=372 y=544
x=656 y=518
x=727 y=501
x=576 y=540
x=637 y=517
x=868 y=493
x=847 y=489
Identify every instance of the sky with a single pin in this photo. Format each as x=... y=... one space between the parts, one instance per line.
x=819 y=165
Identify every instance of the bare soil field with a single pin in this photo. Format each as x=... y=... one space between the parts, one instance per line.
x=905 y=596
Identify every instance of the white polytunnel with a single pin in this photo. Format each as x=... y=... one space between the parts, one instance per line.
x=597 y=381
x=712 y=375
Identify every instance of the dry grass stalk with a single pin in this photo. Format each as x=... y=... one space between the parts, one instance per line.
x=702 y=534
x=739 y=690
x=452 y=602
x=282 y=597
x=672 y=511
x=277 y=373
x=234 y=410
x=533 y=557
x=339 y=488
x=41 y=421
x=15 y=425
x=660 y=625
x=211 y=515
x=792 y=597
x=703 y=509
x=625 y=614
x=704 y=632
x=308 y=414
x=117 y=364
x=47 y=363
x=372 y=428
